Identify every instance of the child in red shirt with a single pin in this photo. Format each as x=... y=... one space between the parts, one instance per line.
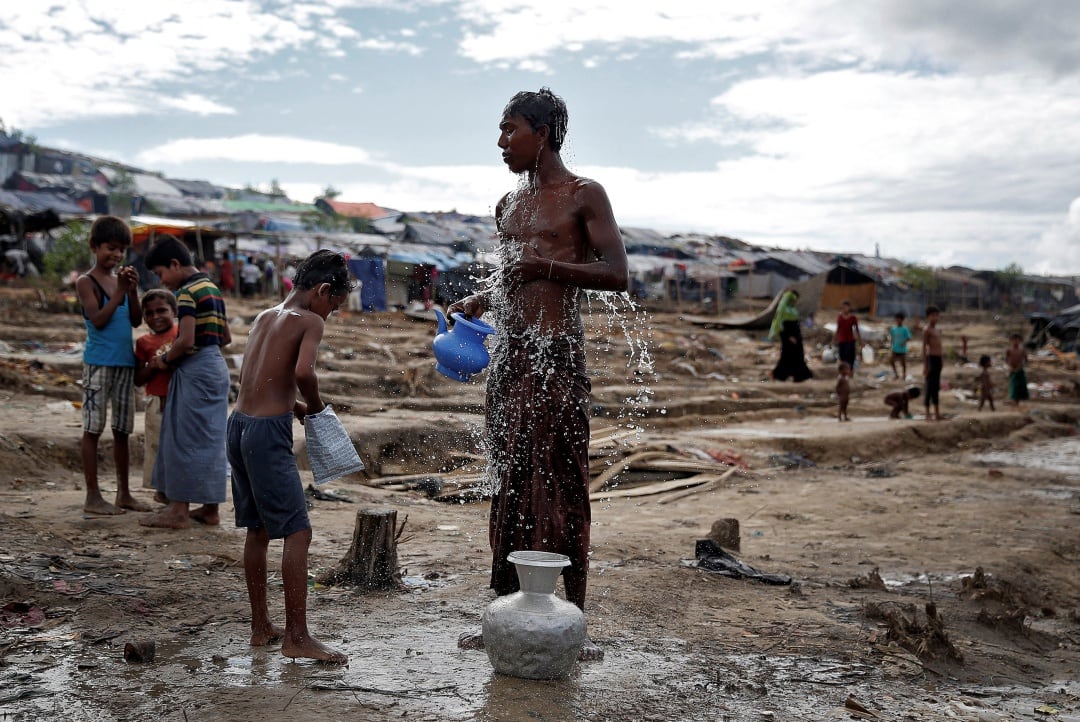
x=159 y=312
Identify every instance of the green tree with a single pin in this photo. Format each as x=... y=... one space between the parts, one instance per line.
x=921 y=278
x=70 y=251
x=1008 y=282
x=330 y=192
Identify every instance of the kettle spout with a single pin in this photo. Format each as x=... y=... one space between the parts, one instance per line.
x=441 y=319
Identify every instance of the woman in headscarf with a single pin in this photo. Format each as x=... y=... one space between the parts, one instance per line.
x=785 y=325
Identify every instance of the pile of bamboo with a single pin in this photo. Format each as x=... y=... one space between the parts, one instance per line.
x=623 y=463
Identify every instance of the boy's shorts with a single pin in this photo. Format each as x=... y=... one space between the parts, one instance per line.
x=266 y=486
x=103 y=385
x=898 y=356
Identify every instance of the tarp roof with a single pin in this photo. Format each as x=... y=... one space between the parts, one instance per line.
x=369 y=211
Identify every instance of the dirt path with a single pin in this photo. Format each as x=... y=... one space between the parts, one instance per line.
x=891 y=516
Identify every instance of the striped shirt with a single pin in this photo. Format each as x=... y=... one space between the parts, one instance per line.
x=199 y=297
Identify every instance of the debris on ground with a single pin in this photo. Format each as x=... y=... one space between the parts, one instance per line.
x=927 y=640
x=712 y=558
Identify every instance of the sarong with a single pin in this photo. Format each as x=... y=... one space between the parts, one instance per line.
x=792 y=363
x=190 y=465
x=1018 y=390
x=538 y=456
x=934 y=365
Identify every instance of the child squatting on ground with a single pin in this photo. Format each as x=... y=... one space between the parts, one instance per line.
x=190 y=464
x=898 y=401
x=110 y=308
x=986 y=384
x=267 y=491
x=159 y=312
x=843 y=390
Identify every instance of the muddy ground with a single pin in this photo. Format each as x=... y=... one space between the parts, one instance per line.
x=976 y=516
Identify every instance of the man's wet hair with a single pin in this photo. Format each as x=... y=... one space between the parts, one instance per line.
x=541 y=108
x=165 y=251
x=324 y=266
x=110 y=229
x=161 y=293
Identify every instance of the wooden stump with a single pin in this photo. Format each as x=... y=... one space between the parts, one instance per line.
x=371 y=562
x=725 y=532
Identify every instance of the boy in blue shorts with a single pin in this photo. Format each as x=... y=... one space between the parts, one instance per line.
x=279 y=360
x=110 y=307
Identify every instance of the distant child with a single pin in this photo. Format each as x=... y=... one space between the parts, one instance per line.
x=159 y=312
x=847 y=334
x=899 y=335
x=898 y=400
x=267 y=491
x=110 y=307
x=986 y=384
x=933 y=362
x=190 y=465
x=1016 y=357
x=843 y=390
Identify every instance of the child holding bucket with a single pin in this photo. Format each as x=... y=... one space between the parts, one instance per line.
x=267 y=491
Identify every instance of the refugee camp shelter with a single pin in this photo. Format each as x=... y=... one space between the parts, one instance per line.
x=839 y=284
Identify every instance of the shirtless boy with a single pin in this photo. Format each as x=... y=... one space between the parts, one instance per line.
x=898 y=401
x=267 y=492
x=932 y=362
x=559 y=237
x=1016 y=357
x=986 y=384
x=843 y=390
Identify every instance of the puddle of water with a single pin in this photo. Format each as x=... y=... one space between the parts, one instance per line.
x=1061 y=455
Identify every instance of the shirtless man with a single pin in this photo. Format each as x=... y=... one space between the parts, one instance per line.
x=932 y=362
x=267 y=492
x=559 y=237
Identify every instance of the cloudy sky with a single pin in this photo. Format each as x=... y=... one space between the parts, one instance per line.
x=942 y=131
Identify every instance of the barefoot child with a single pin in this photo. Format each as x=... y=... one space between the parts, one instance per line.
x=843 y=390
x=899 y=336
x=986 y=384
x=898 y=400
x=159 y=312
x=110 y=307
x=190 y=464
x=933 y=362
x=267 y=492
x=1016 y=357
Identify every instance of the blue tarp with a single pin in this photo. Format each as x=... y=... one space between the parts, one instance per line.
x=371 y=272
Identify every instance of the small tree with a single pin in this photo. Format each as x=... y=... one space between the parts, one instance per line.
x=330 y=192
x=70 y=251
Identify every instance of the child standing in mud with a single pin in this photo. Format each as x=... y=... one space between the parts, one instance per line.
x=1016 y=357
x=986 y=384
x=159 y=312
x=279 y=360
x=110 y=308
x=899 y=335
x=190 y=464
x=559 y=238
x=933 y=362
x=843 y=390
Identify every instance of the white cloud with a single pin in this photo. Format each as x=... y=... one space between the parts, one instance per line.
x=254 y=148
x=124 y=57
x=1058 y=248
x=197 y=104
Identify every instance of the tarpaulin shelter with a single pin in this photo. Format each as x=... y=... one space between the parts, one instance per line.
x=23 y=212
x=371 y=272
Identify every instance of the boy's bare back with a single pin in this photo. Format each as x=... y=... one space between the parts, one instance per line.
x=282 y=344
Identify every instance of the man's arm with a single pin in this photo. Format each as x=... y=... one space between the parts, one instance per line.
x=610 y=271
x=307 y=381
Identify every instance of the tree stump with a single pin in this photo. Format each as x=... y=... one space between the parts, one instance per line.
x=371 y=562
x=725 y=532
